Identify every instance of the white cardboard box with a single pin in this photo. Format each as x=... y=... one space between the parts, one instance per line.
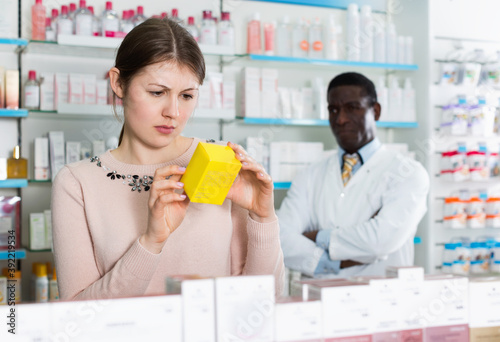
x=89 y=88
x=297 y=320
x=47 y=91
x=75 y=88
x=245 y=308
x=198 y=303
x=484 y=302
x=37 y=231
x=251 y=93
x=72 y=151
x=61 y=89
x=269 y=93
x=42 y=164
x=56 y=148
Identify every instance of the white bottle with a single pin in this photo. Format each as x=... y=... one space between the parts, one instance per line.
x=383 y=99
x=126 y=24
x=208 y=30
x=283 y=42
x=96 y=23
x=191 y=28
x=55 y=16
x=379 y=49
x=64 y=22
x=332 y=32
x=109 y=19
x=300 y=43
x=83 y=20
x=401 y=50
x=366 y=38
x=395 y=101
x=32 y=92
x=50 y=34
x=226 y=30
x=41 y=284
x=391 y=44
x=353 y=43
x=175 y=16
x=316 y=46
x=139 y=17
x=409 y=50
x=409 y=103
x=53 y=288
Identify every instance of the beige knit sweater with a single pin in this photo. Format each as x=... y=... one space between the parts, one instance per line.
x=97 y=222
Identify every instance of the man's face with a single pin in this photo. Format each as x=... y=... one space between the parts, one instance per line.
x=352 y=117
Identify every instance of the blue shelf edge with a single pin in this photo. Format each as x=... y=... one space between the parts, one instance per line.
x=378 y=6
x=327 y=62
x=317 y=122
x=417 y=240
x=13 y=183
x=282 y=185
x=19 y=253
x=13 y=113
x=13 y=41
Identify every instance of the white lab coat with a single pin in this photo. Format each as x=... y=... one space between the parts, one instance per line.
x=317 y=199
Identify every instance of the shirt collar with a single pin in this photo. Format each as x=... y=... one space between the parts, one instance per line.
x=365 y=152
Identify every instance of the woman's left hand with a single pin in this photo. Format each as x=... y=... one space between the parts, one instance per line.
x=253 y=188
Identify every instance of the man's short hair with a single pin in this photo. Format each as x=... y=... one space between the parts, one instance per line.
x=355 y=79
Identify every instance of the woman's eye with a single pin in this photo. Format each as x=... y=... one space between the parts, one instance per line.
x=156 y=93
x=187 y=96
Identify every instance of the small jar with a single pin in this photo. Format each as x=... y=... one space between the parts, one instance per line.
x=455 y=216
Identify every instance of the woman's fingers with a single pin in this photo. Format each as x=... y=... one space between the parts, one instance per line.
x=249 y=164
x=168 y=172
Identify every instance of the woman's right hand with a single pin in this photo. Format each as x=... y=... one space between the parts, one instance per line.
x=167 y=208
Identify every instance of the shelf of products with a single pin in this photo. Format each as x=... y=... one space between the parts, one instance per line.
x=378 y=5
x=13 y=183
x=326 y=62
x=20 y=254
x=13 y=113
x=317 y=122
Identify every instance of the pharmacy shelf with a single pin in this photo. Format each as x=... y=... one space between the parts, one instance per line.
x=317 y=122
x=19 y=254
x=377 y=5
x=13 y=41
x=13 y=113
x=13 y=183
x=101 y=47
x=327 y=62
x=282 y=185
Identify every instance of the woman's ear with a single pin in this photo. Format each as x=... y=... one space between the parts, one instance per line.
x=114 y=75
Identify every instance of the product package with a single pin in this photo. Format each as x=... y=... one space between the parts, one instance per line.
x=61 y=89
x=484 y=313
x=12 y=89
x=56 y=148
x=210 y=173
x=297 y=320
x=47 y=94
x=251 y=92
x=10 y=222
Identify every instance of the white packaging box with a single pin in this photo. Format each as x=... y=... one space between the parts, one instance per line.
x=285 y=103
x=56 y=152
x=101 y=92
x=37 y=231
x=48 y=228
x=61 y=89
x=245 y=308
x=47 y=91
x=33 y=322
x=215 y=82
x=258 y=149
x=2 y=87
x=347 y=310
x=3 y=290
x=484 y=302
x=12 y=89
x=75 y=88
x=148 y=318
x=386 y=303
x=251 y=93
x=72 y=151
x=228 y=95
x=297 y=320
x=288 y=158
x=204 y=101
x=98 y=147
x=42 y=163
x=3 y=168
x=198 y=304
x=9 y=18
x=444 y=312
x=307 y=97
x=269 y=93
x=89 y=89
x=405 y=273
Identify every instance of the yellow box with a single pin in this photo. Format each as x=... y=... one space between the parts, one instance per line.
x=210 y=173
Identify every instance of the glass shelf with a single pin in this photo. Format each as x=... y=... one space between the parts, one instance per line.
x=327 y=62
x=13 y=183
x=19 y=253
x=13 y=113
x=55 y=115
x=317 y=122
x=13 y=41
x=38 y=250
x=377 y=5
x=48 y=181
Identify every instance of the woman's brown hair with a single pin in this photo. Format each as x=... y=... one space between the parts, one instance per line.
x=155 y=41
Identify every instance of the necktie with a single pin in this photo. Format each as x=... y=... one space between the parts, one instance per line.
x=349 y=161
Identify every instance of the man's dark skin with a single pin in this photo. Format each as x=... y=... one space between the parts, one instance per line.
x=352 y=116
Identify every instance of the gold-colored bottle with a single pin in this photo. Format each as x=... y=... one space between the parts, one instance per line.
x=17 y=167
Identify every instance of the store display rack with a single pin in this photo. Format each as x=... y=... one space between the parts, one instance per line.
x=13 y=113
x=13 y=183
x=377 y=5
x=317 y=122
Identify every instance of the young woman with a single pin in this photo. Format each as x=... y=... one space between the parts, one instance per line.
x=121 y=221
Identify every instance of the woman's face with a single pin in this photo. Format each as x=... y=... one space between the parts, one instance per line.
x=158 y=103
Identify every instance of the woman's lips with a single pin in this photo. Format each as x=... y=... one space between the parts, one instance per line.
x=165 y=129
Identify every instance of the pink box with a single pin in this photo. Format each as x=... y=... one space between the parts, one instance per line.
x=451 y=333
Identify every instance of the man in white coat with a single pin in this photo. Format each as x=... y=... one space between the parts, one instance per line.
x=356 y=212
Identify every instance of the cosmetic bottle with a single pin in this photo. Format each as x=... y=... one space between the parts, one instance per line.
x=208 y=34
x=316 y=39
x=32 y=91
x=109 y=20
x=226 y=30
x=353 y=43
x=191 y=28
x=283 y=36
x=254 y=44
x=17 y=167
x=300 y=39
x=139 y=17
x=64 y=22
x=83 y=20
x=38 y=21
